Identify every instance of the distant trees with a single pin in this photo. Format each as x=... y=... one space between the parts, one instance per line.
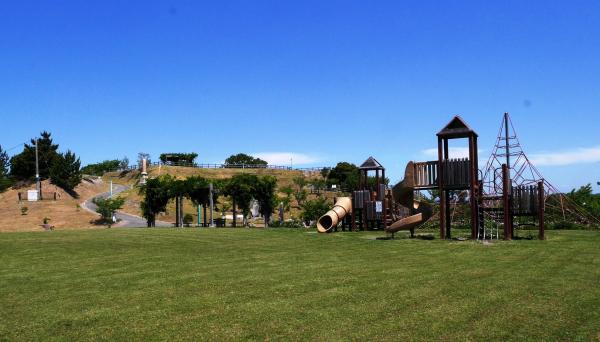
x=141 y=157
x=585 y=198
x=5 y=181
x=345 y=175
x=287 y=200
x=98 y=169
x=65 y=171
x=178 y=158
x=244 y=159
x=124 y=164
x=299 y=192
x=23 y=164
x=241 y=189
x=313 y=209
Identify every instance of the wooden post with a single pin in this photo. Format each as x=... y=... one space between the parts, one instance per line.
x=234 y=211
x=447 y=175
x=473 y=185
x=441 y=190
x=386 y=204
x=353 y=213
x=541 y=210
x=177 y=211
x=506 y=203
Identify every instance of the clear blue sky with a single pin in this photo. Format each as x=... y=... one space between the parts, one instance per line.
x=325 y=80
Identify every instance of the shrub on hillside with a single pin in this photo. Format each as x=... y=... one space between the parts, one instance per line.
x=107 y=207
x=313 y=209
x=98 y=169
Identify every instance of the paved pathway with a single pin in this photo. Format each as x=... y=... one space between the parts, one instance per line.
x=123 y=219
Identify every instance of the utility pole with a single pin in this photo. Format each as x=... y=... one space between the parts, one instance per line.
x=212 y=223
x=37 y=169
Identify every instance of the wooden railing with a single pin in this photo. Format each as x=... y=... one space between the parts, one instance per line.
x=426 y=174
x=456 y=173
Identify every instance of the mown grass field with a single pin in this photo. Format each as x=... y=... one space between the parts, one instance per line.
x=232 y=284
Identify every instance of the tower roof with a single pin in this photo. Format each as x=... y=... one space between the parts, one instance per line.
x=456 y=128
x=371 y=164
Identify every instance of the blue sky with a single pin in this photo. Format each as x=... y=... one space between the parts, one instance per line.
x=323 y=80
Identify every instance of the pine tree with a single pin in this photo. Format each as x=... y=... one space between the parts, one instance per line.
x=5 y=181
x=23 y=164
x=66 y=171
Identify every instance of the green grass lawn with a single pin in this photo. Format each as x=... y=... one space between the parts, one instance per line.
x=232 y=284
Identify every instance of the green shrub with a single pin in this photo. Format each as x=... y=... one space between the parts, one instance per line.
x=188 y=219
x=98 y=169
x=24 y=210
x=566 y=225
x=291 y=223
x=107 y=207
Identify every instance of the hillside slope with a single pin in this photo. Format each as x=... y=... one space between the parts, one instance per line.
x=64 y=213
x=133 y=198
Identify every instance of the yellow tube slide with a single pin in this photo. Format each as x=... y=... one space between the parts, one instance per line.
x=330 y=220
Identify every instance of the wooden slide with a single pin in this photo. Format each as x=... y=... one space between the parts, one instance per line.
x=403 y=193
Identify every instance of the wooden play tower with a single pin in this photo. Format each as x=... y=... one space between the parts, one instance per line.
x=447 y=174
x=457 y=174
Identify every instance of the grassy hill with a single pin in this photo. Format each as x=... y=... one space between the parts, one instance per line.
x=133 y=199
x=64 y=213
x=277 y=284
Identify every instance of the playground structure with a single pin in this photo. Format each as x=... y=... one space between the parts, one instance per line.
x=374 y=206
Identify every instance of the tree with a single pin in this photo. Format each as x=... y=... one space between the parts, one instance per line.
x=312 y=210
x=197 y=189
x=264 y=193
x=345 y=175
x=23 y=164
x=141 y=157
x=318 y=184
x=124 y=163
x=156 y=193
x=5 y=181
x=586 y=199
x=244 y=159
x=98 y=169
x=106 y=207
x=299 y=192
x=65 y=171
x=287 y=200
x=178 y=158
x=240 y=188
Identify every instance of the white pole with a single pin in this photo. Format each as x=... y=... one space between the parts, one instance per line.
x=111 y=189
x=37 y=168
